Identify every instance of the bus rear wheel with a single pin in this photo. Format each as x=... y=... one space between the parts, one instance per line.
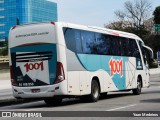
x=138 y=90
x=53 y=101
x=95 y=91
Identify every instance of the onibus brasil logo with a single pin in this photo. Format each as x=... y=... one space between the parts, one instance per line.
x=116 y=67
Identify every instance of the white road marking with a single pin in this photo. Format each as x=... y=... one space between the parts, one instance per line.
x=36 y=109
x=122 y=107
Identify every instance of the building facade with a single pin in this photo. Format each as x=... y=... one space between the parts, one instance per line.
x=15 y=12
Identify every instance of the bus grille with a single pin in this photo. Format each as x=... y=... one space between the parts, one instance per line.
x=33 y=57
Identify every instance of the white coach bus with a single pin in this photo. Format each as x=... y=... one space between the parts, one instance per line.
x=56 y=60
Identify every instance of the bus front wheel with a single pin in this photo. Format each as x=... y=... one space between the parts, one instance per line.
x=95 y=91
x=137 y=91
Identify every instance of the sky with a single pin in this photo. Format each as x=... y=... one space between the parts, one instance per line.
x=92 y=12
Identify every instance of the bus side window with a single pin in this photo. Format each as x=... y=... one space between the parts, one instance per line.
x=73 y=39
x=143 y=53
x=115 y=47
x=77 y=37
x=102 y=44
x=88 y=41
x=148 y=58
x=144 y=56
x=134 y=49
x=124 y=46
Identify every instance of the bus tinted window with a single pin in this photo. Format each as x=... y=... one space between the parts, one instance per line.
x=134 y=49
x=88 y=42
x=115 y=46
x=124 y=45
x=73 y=39
x=77 y=36
x=103 y=44
x=143 y=51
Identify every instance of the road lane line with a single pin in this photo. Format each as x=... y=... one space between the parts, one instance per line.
x=122 y=107
x=33 y=109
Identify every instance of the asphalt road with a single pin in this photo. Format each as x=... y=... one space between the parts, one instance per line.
x=6 y=93
x=149 y=100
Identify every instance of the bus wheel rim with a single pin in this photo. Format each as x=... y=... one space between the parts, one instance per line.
x=139 y=86
x=95 y=91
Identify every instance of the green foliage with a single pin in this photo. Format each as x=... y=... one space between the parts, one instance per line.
x=156 y=14
x=142 y=27
x=142 y=32
x=156 y=41
x=4 y=51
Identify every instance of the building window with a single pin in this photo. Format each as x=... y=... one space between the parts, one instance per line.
x=1 y=1
x=2 y=16
x=1 y=9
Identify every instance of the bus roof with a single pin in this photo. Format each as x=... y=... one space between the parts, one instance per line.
x=103 y=30
x=90 y=28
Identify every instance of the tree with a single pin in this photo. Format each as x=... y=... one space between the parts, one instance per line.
x=156 y=14
x=4 y=51
x=115 y=25
x=135 y=14
x=156 y=43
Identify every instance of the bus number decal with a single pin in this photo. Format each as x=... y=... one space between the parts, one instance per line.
x=36 y=66
x=116 y=67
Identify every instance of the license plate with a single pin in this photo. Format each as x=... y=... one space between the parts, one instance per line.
x=35 y=90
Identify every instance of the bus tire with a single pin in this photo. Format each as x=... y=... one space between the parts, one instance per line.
x=137 y=91
x=95 y=91
x=53 y=101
